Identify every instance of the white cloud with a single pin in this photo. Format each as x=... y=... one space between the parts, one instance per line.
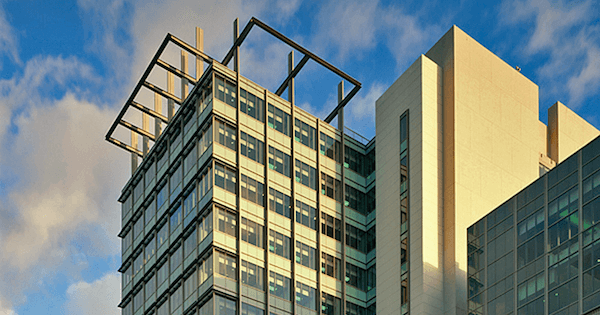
x=562 y=32
x=361 y=110
x=62 y=209
x=100 y=297
x=359 y=26
x=5 y=311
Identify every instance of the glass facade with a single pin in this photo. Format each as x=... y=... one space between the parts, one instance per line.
x=224 y=214
x=539 y=252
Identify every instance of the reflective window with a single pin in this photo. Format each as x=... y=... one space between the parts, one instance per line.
x=330 y=147
x=306 y=255
x=279 y=202
x=279 y=120
x=252 y=275
x=252 y=148
x=306 y=175
x=280 y=286
x=306 y=215
x=279 y=244
x=280 y=162
x=252 y=105
x=305 y=134
x=252 y=233
x=306 y=296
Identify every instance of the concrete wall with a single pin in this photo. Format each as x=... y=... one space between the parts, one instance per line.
x=567 y=132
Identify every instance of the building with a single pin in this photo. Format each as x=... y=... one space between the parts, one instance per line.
x=251 y=205
x=539 y=252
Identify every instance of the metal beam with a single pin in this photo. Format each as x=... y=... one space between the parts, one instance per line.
x=190 y=49
x=292 y=75
x=342 y=104
x=133 y=128
x=238 y=42
x=149 y=111
x=175 y=71
x=125 y=146
x=162 y=92
x=138 y=86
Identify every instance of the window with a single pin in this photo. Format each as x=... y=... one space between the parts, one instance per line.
x=175 y=181
x=224 y=306
x=252 y=190
x=175 y=220
x=205 y=269
x=353 y=309
x=591 y=213
x=225 y=178
x=563 y=230
x=371 y=238
x=162 y=235
x=175 y=137
x=150 y=287
x=563 y=205
x=331 y=226
x=150 y=211
x=163 y=309
x=306 y=255
x=204 y=97
x=205 y=226
x=355 y=237
x=190 y=285
x=331 y=266
x=306 y=175
x=176 y=300
x=563 y=271
x=252 y=105
x=127 y=275
x=252 y=233
x=138 y=263
x=225 y=134
x=305 y=134
x=163 y=157
x=354 y=160
x=530 y=226
x=355 y=199
x=252 y=275
x=279 y=244
x=161 y=198
x=280 y=286
x=205 y=141
x=331 y=187
x=190 y=243
x=252 y=148
x=306 y=215
x=591 y=187
x=330 y=147
x=248 y=309
x=226 y=221
x=127 y=240
x=138 y=227
x=189 y=161
x=279 y=202
x=175 y=259
x=356 y=276
x=225 y=90
x=371 y=277
x=531 y=250
x=279 y=120
x=403 y=128
x=189 y=203
x=530 y=289
x=138 y=300
x=163 y=273
x=150 y=250
x=226 y=265
x=563 y=296
x=306 y=296
x=331 y=305
x=138 y=191
x=206 y=181
x=279 y=162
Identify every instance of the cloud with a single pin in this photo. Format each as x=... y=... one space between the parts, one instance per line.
x=360 y=26
x=62 y=207
x=4 y=311
x=8 y=41
x=100 y=297
x=564 y=37
x=361 y=110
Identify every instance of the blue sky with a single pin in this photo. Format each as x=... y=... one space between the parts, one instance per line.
x=66 y=68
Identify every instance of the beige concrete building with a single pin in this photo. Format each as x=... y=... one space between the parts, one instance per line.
x=457 y=134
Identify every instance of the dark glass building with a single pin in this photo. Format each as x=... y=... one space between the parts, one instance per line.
x=539 y=252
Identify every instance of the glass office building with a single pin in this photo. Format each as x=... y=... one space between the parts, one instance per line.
x=244 y=203
x=247 y=204
x=539 y=252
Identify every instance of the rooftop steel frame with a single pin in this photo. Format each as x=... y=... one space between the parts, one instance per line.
x=156 y=61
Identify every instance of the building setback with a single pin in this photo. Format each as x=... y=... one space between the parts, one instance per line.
x=244 y=203
x=539 y=252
